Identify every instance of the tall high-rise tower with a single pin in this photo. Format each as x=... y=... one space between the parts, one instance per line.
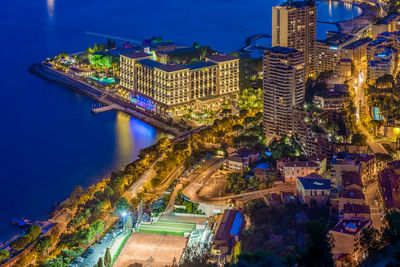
x=294 y=25
x=284 y=89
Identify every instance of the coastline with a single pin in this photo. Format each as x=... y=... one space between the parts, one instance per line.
x=49 y=74
x=349 y=26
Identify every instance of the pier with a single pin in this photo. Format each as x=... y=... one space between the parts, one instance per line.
x=104 y=109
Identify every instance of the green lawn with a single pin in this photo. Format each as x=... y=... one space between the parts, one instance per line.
x=167 y=227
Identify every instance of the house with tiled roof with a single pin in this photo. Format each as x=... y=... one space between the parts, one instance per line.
x=292 y=169
x=346 y=234
x=351 y=181
x=313 y=188
x=350 y=197
x=356 y=211
x=389 y=182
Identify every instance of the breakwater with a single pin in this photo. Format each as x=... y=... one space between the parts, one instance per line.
x=105 y=98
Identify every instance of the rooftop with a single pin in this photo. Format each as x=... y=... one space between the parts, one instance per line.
x=378 y=41
x=389 y=34
x=389 y=182
x=200 y=65
x=171 y=67
x=317 y=158
x=336 y=40
x=350 y=158
x=353 y=194
x=356 y=208
x=221 y=58
x=300 y=164
x=282 y=50
x=297 y=4
x=230 y=225
x=315 y=183
x=135 y=54
x=332 y=94
x=351 y=178
x=351 y=227
x=357 y=43
x=149 y=63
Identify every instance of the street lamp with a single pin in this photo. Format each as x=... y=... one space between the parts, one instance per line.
x=124 y=215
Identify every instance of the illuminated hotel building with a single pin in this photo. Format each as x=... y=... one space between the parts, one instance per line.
x=172 y=88
x=284 y=89
x=294 y=25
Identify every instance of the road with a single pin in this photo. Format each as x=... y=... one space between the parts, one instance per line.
x=375 y=146
x=146 y=177
x=360 y=103
x=210 y=166
x=197 y=179
x=371 y=195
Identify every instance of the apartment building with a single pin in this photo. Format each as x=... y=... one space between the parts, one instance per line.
x=294 y=25
x=284 y=89
x=382 y=63
x=357 y=52
x=328 y=51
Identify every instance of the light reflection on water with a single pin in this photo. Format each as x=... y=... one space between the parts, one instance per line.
x=50 y=9
x=124 y=137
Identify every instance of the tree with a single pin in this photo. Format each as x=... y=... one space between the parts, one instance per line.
x=155 y=182
x=122 y=205
x=237 y=128
x=391 y=232
x=359 y=139
x=43 y=244
x=4 y=255
x=100 y=262
x=20 y=243
x=370 y=241
x=317 y=251
x=98 y=227
x=107 y=258
x=62 y=55
x=385 y=81
x=375 y=124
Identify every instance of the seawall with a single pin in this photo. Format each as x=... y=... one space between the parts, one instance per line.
x=93 y=93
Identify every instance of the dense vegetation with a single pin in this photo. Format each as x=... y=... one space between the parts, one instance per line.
x=285 y=235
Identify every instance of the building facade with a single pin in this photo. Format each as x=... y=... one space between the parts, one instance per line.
x=313 y=188
x=171 y=89
x=328 y=51
x=294 y=25
x=284 y=89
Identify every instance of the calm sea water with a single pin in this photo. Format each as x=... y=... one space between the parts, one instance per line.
x=49 y=139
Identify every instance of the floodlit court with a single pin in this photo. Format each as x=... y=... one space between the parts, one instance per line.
x=168 y=227
x=153 y=250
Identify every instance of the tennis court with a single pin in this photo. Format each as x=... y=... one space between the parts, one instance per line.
x=167 y=227
x=153 y=250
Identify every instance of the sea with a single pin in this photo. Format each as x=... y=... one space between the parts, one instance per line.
x=49 y=139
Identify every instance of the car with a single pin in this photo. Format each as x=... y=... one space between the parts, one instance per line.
x=90 y=250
